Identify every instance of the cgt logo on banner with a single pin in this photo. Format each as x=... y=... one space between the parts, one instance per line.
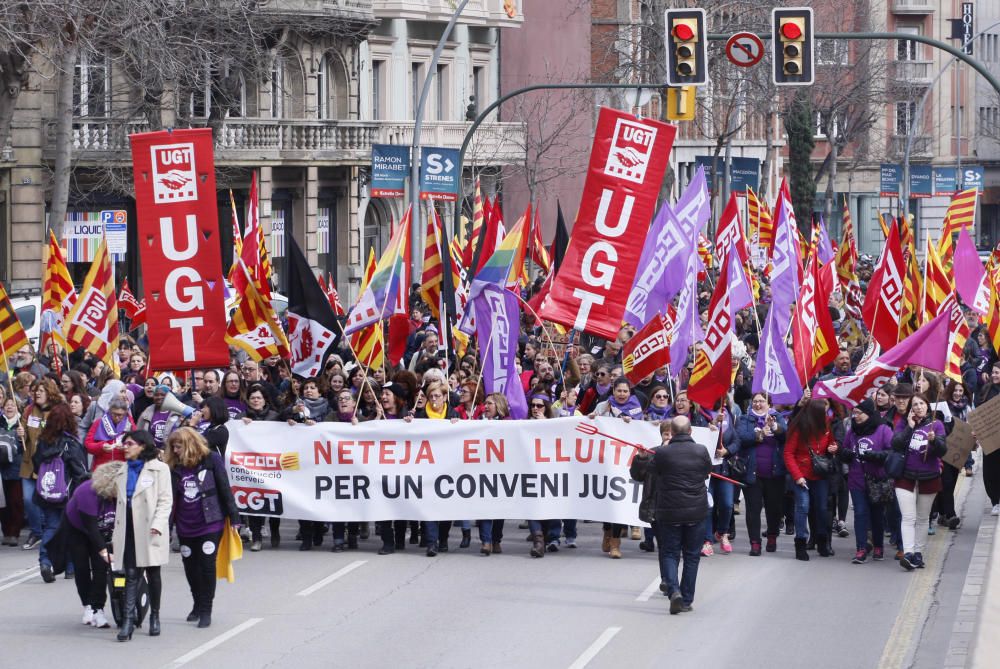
x=178 y=245
x=433 y=470
x=627 y=163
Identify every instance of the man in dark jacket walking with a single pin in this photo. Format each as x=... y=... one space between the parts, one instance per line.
x=681 y=467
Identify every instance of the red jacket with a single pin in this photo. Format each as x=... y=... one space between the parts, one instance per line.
x=96 y=447
x=797 y=459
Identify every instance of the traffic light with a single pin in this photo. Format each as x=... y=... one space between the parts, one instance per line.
x=792 y=43
x=687 y=47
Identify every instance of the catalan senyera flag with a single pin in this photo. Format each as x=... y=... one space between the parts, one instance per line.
x=958 y=334
x=92 y=323
x=539 y=254
x=961 y=214
x=478 y=218
x=885 y=226
x=12 y=335
x=58 y=295
x=912 y=286
x=761 y=222
x=993 y=315
x=846 y=261
x=432 y=278
x=712 y=374
x=368 y=343
x=237 y=237
x=938 y=284
x=255 y=328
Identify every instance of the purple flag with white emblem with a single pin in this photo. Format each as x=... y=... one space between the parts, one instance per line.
x=785 y=261
x=775 y=372
x=687 y=326
x=497 y=314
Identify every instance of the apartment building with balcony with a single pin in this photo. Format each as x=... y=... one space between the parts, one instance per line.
x=305 y=129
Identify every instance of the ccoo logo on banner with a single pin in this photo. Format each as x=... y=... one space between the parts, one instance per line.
x=178 y=244
x=627 y=163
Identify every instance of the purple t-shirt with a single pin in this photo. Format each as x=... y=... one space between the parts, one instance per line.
x=189 y=513
x=85 y=500
x=158 y=427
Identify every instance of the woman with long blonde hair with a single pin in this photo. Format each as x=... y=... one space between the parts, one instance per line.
x=202 y=502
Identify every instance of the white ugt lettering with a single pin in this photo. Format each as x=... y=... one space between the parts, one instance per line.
x=623 y=217
x=187 y=326
x=167 y=233
x=599 y=274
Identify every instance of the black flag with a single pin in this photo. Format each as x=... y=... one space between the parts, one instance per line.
x=313 y=328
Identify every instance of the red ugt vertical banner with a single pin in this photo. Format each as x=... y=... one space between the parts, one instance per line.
x=178 y=233
x=627 y=163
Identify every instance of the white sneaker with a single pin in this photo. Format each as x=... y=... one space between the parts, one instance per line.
x=100 y=620
x=996 y=510
x=88 y=615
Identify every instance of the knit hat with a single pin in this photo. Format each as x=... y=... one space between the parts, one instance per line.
x=867 y=407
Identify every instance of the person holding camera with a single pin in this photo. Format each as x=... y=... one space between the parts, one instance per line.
x=761 y=431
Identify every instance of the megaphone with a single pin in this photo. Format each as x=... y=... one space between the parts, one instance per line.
x=174 y=405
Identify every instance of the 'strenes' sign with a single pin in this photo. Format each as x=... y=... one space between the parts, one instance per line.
x=178 y=241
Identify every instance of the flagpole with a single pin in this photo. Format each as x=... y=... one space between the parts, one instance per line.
x=482 y=366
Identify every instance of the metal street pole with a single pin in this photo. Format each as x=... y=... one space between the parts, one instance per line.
x=418 y=120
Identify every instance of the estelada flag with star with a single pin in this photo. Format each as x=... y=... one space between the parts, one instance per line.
x=313 y=329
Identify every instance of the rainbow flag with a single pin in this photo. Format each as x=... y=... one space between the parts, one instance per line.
x=378 y=299
x=504 y=266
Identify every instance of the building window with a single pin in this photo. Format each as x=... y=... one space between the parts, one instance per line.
x=831 y=52
x=323 y=89
x=479 y=86
x=92 y=86
x=378 y=82
x=907 y=49
x=818 y=132
x=277 y=88
x=905 y=116
x=415 y=82
x=441 y=98
x=989 y=117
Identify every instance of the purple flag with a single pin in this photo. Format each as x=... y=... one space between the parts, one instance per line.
x=740 y=292
x=497 y=320
x=775 y=372
x=825 y=248
x=970 y=275
x=687 y=326
x=785 y=260
x=640 y=310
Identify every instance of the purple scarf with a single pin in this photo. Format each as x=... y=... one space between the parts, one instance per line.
x=630 y=408
x=108 y=431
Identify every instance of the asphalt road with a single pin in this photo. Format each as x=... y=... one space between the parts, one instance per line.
x=573 y=608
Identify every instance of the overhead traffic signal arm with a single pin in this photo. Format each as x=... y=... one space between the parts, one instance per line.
x=793 y=46
x=687 y=47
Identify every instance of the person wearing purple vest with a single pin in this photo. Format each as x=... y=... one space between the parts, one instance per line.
x=203 y=500
x=922 y=441
x=761 y=433
x=868 y=440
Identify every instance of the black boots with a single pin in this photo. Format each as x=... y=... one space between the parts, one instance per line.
x=154 y=622
x=466 y=539
x=127 y=627
x=205 y=615
x=823 y=546
x=388 y=538
x=800 y=550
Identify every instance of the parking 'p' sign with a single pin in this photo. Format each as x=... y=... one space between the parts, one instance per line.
x=744 y=49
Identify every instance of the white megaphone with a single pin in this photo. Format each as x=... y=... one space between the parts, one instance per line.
x=174 y=405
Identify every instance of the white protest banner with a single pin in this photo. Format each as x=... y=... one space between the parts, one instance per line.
x=438 y=470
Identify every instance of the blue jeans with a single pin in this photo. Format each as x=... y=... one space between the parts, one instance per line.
x=557 y=528
x=867 y=515
x=814 y=500
x=490 y=531
x=677 y=541
x=31 y=510
x=722 y=511
x=50 y=523
x=435 y=529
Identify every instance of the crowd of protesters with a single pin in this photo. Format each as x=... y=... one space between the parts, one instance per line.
x=128 y=470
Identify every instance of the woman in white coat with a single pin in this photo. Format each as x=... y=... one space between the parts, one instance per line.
x=142 y=536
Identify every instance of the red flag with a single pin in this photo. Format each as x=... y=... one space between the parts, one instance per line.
x=334 y=297
x=127 y=301
x=813 y=336
x=399 y=332
x=139 y=318
x=628 y=159
x=730 y=233
x=494 y=235
x=884 y=301
x=647 y=350
x=713 y=371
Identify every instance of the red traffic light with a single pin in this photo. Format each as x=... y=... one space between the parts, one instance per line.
x=683 y=32
x=791 y=30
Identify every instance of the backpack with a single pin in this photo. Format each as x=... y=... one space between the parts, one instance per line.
x=52 y=485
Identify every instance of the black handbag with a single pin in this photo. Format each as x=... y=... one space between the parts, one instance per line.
x=895 y=463
x=823 y=466
x=737 y=467
x=880 y=491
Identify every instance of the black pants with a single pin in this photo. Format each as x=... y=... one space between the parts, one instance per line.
x=256 y=524
x=392 y=532
x=128 y=561
x=944 y=503
x=199 y=555
x=991 y=476
x=767 y=494
x=91 y=573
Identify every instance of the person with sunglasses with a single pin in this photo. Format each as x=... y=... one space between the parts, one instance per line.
x=659 y=405
x=598 y=390
x=545 y=534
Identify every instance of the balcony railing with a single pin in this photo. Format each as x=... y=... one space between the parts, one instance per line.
x=920 y=147
x=284 y=140
x=477 y=12
x=912 y=72
x=913 y=6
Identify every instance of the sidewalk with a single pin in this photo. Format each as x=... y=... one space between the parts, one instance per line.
x=983 y=584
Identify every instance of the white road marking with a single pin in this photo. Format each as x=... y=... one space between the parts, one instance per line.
x=595 y=648
x=330 y=579
x=19 y=573
x=209 y=645
x=21 y=579
x=650 y=589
